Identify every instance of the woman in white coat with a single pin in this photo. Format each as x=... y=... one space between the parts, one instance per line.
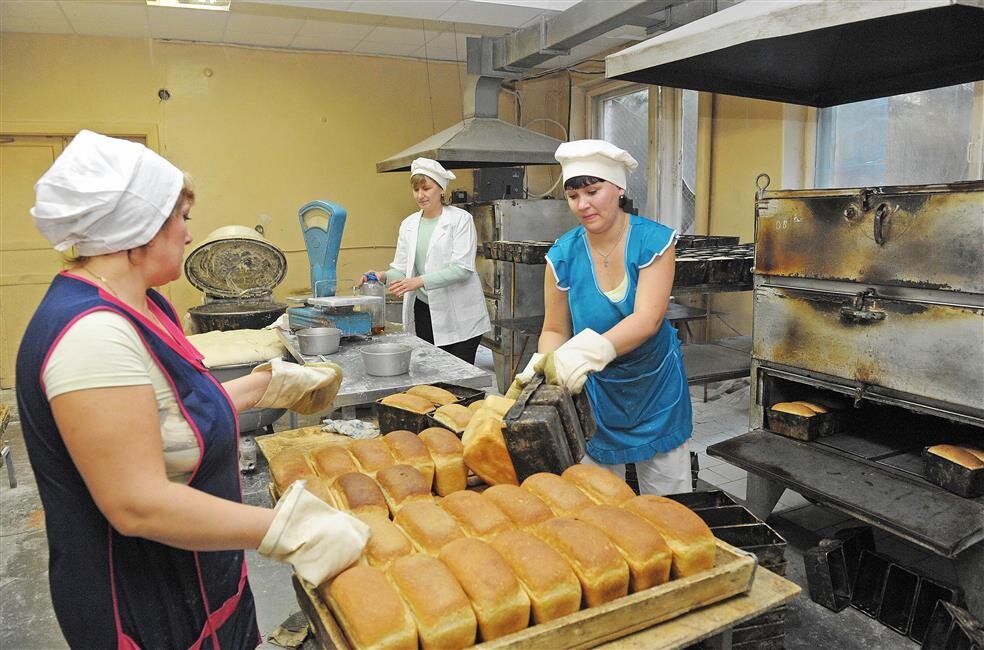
x=434 y=268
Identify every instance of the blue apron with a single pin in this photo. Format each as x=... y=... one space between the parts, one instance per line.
x=113 y=591
x=641 y=399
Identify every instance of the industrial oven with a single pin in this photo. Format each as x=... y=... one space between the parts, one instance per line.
x=871 y=299
x=513 y=289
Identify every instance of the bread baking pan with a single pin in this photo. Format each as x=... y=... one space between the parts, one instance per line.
x=952 y=628
x=800 y=427
x=869 y=585
x=698 y=500
x=394 y=419
x=758 y=538
x=560 y=399
x=898 y=598
x=928 y=594
x=854 y=540
x=727 y=516
x=689 y=271
x=954 y=477
x=826 y=575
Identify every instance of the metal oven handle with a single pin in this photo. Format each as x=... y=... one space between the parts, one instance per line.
x=881 y=213
x=860 y=309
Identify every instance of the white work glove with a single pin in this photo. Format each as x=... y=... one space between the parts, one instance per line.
x=570 y=364
x=522 y=378
x=306 y=389
x=316 y=539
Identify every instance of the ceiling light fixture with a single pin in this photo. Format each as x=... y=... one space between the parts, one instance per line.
x=211 y=5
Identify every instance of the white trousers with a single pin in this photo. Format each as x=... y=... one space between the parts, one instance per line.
x=667 y=473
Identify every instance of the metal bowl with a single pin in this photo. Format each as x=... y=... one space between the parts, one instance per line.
x=319 y=340
x=386 y=359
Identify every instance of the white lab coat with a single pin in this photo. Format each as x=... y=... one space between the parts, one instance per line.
x=458 y=312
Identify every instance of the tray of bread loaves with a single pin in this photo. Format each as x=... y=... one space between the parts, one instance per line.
x=567 y=560
x=425 y=406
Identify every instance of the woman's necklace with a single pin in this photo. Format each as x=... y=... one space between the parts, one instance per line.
x=147 y=313
x=605 y=256
x=101 y=279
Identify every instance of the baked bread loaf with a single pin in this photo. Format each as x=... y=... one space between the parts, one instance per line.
x=401 y=484
x=642 y=547
x=321 y=488
x=439 y=606
x=959 y=455
x=454 y=416
x=357 y=492
x=331 y=461
x=498 y=404
x=370 y=610
x=485 y=449
x=478 y=516
x=686 y=534
x=407 y=402
x=288 y=466
x=448 y=456
x=598 y=565
x=437 y=396
x=977 y=452
x=600 y=485
x=499 y=602
x=561 y=497
x=477 y=404
x=371 y=455
x=387 y=542
x=523 y=507
x=408 y=449
x=548 y=579
x=794 y=408
x=816 y=408
x=428 y=526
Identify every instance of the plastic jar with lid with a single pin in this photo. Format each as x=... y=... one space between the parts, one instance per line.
x=376 y=289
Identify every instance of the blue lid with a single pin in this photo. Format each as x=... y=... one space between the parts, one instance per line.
x=371 y=276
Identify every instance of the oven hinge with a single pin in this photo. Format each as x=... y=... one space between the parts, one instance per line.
x=861 y=309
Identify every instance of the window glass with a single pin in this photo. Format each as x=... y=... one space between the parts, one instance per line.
x=914 y=138
x=625 y=123
x=688 y=161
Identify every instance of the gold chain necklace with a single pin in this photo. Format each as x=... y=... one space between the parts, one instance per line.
x=147 y=314
x=605 y=256
x=101 y=279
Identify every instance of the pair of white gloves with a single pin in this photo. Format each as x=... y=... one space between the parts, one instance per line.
x=316 y=539
x=568 y=365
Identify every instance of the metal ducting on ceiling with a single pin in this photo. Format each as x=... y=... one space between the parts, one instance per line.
x=816 y=53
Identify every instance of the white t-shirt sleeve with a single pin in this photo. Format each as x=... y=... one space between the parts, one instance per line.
x=100 y=350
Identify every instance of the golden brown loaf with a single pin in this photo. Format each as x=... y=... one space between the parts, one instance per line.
x=288 y=466
x=370 y=610
x=598 y=565
x=498 y=404
x=499 y=602
x=407 y=448
x=477 y=515
x=371 y=455
x=686 y=534
x=428 y=526
x=439 y=606
x=546 y=576
x=485 y=449
x=387 y=542
x=357 y=492
x=959 y=455
x=816 y=408
x=401 y=484
x=561 y=497
x=977 y=452
x=454 y=416
x=600 y=485
x=477 y=404
x=407 y=402
x=436 y=396
x=642 y=547
x=794 y=408
x=321 y=488
x=522 y=506
x=448 y=455
x=331 y=461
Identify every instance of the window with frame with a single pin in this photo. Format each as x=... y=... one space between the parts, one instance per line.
x=622 y=118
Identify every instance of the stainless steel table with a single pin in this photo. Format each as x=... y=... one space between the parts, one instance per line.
x=428 y=364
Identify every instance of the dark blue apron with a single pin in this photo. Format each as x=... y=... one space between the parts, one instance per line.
x=110 y=590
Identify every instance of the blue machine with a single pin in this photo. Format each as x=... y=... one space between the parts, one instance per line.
x=322 y=223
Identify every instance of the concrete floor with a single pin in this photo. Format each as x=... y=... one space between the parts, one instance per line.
x=26 y=619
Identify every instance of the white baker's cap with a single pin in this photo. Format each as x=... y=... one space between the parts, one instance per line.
x=104 y=195
x=432 y=169
x=595 y=158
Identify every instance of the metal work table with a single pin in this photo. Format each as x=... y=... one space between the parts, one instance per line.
x=428 y=364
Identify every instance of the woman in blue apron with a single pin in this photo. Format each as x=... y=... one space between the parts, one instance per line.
x=606 y=290
x=133 y=442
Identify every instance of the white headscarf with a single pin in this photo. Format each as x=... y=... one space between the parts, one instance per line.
x=595 y=158
x=433 y=170
x=104 y=195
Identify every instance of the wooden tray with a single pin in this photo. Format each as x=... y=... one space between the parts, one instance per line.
x=732 y=574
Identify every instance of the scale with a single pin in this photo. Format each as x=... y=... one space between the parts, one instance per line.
x=322 y=223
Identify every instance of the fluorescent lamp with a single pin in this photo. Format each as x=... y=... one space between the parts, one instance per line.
x=212 y=5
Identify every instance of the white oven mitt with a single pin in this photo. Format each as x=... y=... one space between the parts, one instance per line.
x=522 y=378
x=570 y=364
x=307 y=389
x=316 y=539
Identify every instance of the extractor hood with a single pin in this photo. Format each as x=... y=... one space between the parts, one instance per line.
x=816 y=53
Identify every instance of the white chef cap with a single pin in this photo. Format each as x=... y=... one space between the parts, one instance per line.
x=595 y=158
x=104 y=195
x=432 y=169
